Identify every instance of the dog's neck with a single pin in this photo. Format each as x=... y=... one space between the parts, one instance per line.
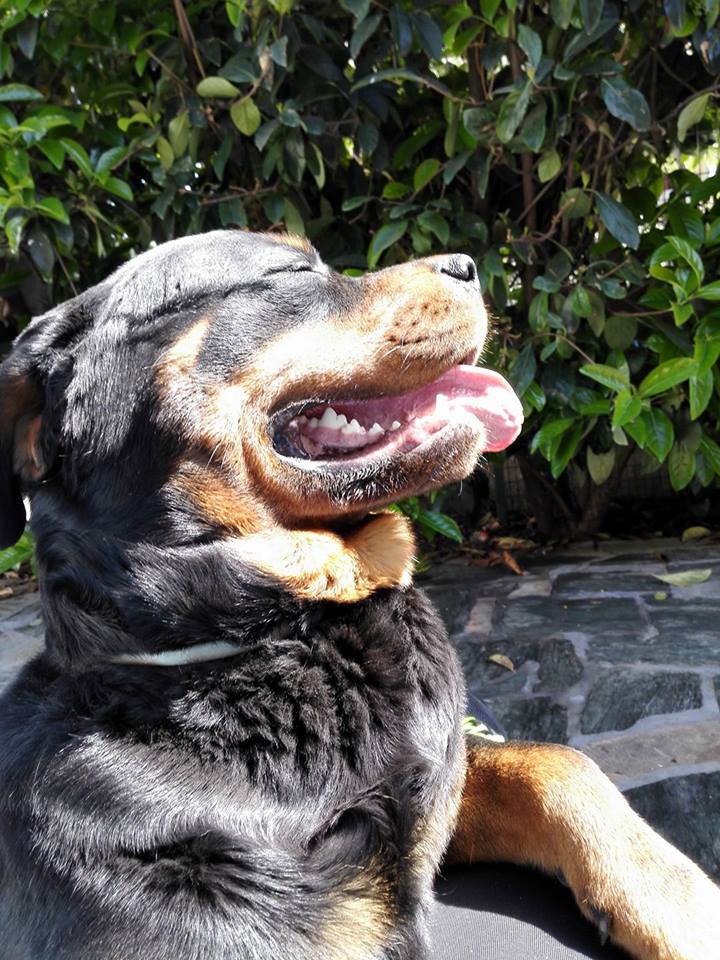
x=104 y=597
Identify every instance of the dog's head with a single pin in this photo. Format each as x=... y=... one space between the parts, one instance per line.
x=233 y=385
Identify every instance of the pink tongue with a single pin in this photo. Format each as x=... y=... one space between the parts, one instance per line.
x=488 y=397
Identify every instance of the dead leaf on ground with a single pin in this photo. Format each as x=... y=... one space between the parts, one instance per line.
x=502 y=661
x=685 y=578
x=660 y=595
x=515 y=543
x=694 y=533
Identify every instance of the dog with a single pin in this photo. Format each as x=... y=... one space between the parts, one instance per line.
x=243 y=739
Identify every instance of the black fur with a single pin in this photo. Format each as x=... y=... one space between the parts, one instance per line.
x=222 y=810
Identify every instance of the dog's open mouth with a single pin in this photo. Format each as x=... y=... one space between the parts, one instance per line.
x=354 y=430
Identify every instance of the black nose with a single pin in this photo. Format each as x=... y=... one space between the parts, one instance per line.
x=460 y=267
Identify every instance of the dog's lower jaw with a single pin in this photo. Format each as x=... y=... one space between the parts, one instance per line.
x=339 y=566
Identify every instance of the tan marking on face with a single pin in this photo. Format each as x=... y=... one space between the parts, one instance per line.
x=220 y=501
x=291 y=240
x=324 y=565
x=179 y=360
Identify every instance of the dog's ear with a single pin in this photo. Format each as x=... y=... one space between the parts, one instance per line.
x=25 y=454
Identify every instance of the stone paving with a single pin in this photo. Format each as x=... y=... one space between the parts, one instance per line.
x=609 y=659
x=606 y=658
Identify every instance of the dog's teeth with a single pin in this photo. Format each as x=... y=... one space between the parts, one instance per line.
x=302 y=419
x=441 y=403
x=375 y=430
x=352 y=428
x=395 y=425
x=329 y=418
x=314 y=422
x=341 y=420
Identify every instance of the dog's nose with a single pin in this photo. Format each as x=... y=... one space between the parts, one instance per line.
x=460 y=267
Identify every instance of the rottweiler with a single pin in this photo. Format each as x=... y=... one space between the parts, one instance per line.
x=243 y=739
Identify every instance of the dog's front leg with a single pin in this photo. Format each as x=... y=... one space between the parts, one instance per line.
x=552 y=807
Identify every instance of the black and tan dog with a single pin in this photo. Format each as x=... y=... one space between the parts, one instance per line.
x=243 y=739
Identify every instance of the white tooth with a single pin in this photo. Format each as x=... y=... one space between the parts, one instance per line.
x=375 y=430
x=329 y=418
x=341 y=420
x=314 y=422
x=352 y=429
x=441 y=402
x=395 y=425
x=302 y=419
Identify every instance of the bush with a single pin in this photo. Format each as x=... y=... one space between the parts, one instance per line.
x=569 y=146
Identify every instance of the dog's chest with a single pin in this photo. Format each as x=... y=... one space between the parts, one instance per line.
x=339 y=697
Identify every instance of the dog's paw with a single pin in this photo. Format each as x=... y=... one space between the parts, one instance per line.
x=654 y=902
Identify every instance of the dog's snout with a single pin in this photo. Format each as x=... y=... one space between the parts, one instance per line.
x=460 y=267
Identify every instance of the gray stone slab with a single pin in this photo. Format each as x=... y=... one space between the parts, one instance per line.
x=642 y=754
x=487 y=679
x=619 y=699
x=716 y=685
x=688 y=634
x=597 y=584
x=560 y=666
x=15 y=650
x=538 y=718
x=686 y=811
x=552 y=616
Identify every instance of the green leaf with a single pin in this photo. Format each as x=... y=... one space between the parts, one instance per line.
x=561 y=12
x=216 y=88
x=78 y=154
x=12 y=557
x=681 y=466
x=667 y=375
x=436 y=223
x=53 y=208
x=512 y=112
x=424 y=173
x=119 y=187
x=549 y=166
x=179 y=133
x=591 y=12
x=165 y=152
x=623 y=101
x=352 y=203
x=110 y=159
x=531 y=43
x=689 y=255
x=618 y=219
x=549 y=431
x=246 y=116
x=53 y=150
x=606 y=375
x=628 y=406
x=685 y=578
x=439 y=523
x=710 y=291
x=293 y=218
x=711 y=451
x=658 y=433
x=600 y=465
x=19 y=93
x=386 y=236
x=691 y=114
x=701 y=391
x=575 y=203
x=362 y=34
x=522 y=371
x=620 y=332
x=394 y=190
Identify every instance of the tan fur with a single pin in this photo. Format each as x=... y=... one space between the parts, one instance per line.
x=550 y=806
x=359 y=926
x=324 y=565
x=291 y=240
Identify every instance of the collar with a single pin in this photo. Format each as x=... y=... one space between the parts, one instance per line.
x=199 y=653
